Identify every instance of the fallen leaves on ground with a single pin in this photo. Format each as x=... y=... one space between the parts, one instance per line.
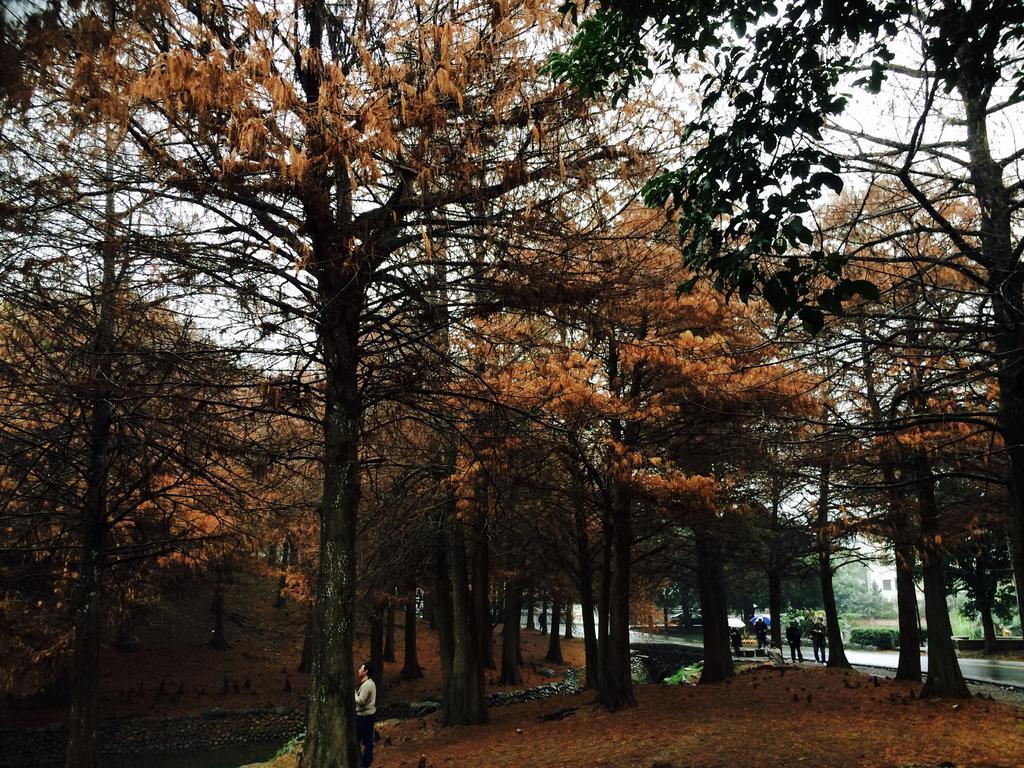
x=807 y=716
x=175 y=673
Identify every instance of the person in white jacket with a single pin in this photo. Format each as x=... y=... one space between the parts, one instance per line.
x=366 y=712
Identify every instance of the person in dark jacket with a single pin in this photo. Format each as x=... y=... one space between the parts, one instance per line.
x=737 y=639
x=818 y=639
x=793 y=638
x=761 y=631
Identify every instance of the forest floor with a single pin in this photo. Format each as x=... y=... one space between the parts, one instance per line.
x=173 y=672
x=766 y=717
x=807 y=715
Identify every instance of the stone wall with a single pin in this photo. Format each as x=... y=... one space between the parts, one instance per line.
x=44 y=747
x=1003 y=644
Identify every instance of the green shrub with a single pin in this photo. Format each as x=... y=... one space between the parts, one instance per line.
x=883 y=638
x=686 y=674
x=292 y=744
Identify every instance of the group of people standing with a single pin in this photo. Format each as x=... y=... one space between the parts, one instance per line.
x=794 y=636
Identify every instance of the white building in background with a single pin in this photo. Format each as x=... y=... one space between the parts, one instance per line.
x=879 y=567
x=880 y=572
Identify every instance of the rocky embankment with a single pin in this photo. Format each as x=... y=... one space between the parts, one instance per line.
x=214 y=729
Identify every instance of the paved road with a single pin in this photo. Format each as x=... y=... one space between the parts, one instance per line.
x=984 y=670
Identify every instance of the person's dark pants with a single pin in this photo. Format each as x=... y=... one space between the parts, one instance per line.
x=364 y=736
x=819 y=645
x=762 y=641
x=795 y=652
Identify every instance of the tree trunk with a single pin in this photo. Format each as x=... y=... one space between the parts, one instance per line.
x=462 y=699
x=429 y=609
x=377 y=648
x=836 y=651
x=389 y=633
x=944 y=677
x=615 y=689
x=775 y=566
x=480 y=619
x=604 y=593
x=543 y=618
x=554 y=654
x=908 y=666
x=519 y=649
x=411 y=668
x=988 y=628
x=713 y=607
x=1005 y=286
x=217 y=638
x=586 y=586
x=530 y=605
x=81 y=749
x=568 y=620
x=442 y=604
x=306 y=660
x=775 y=606
x=330 y=733
x=279 y=599
x=899 y=520
x=510 y=637
x=687 y=616
x=85 y=677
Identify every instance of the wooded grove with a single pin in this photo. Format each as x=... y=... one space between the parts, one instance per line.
x=484 y=318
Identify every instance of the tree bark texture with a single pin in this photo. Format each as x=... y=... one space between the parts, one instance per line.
x=411 y=668
x=836 y=651
x=480 y=621
x=462 y=693
x=988 y=628
x=85 y=676
x=389 y=633
x=429 y=609
x=1005 y=280
x=901 y=534
x=615 y=688
x=714 y=608
x=775 y=606
x=306 y=660
x=944 y=677
x=218 y=640
x=554 y=654
x=586 y=586
x=908 y=666
x=775 y=566
x=510 y=637
x=377 y=614
x=81 y=749
x=330 y=740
